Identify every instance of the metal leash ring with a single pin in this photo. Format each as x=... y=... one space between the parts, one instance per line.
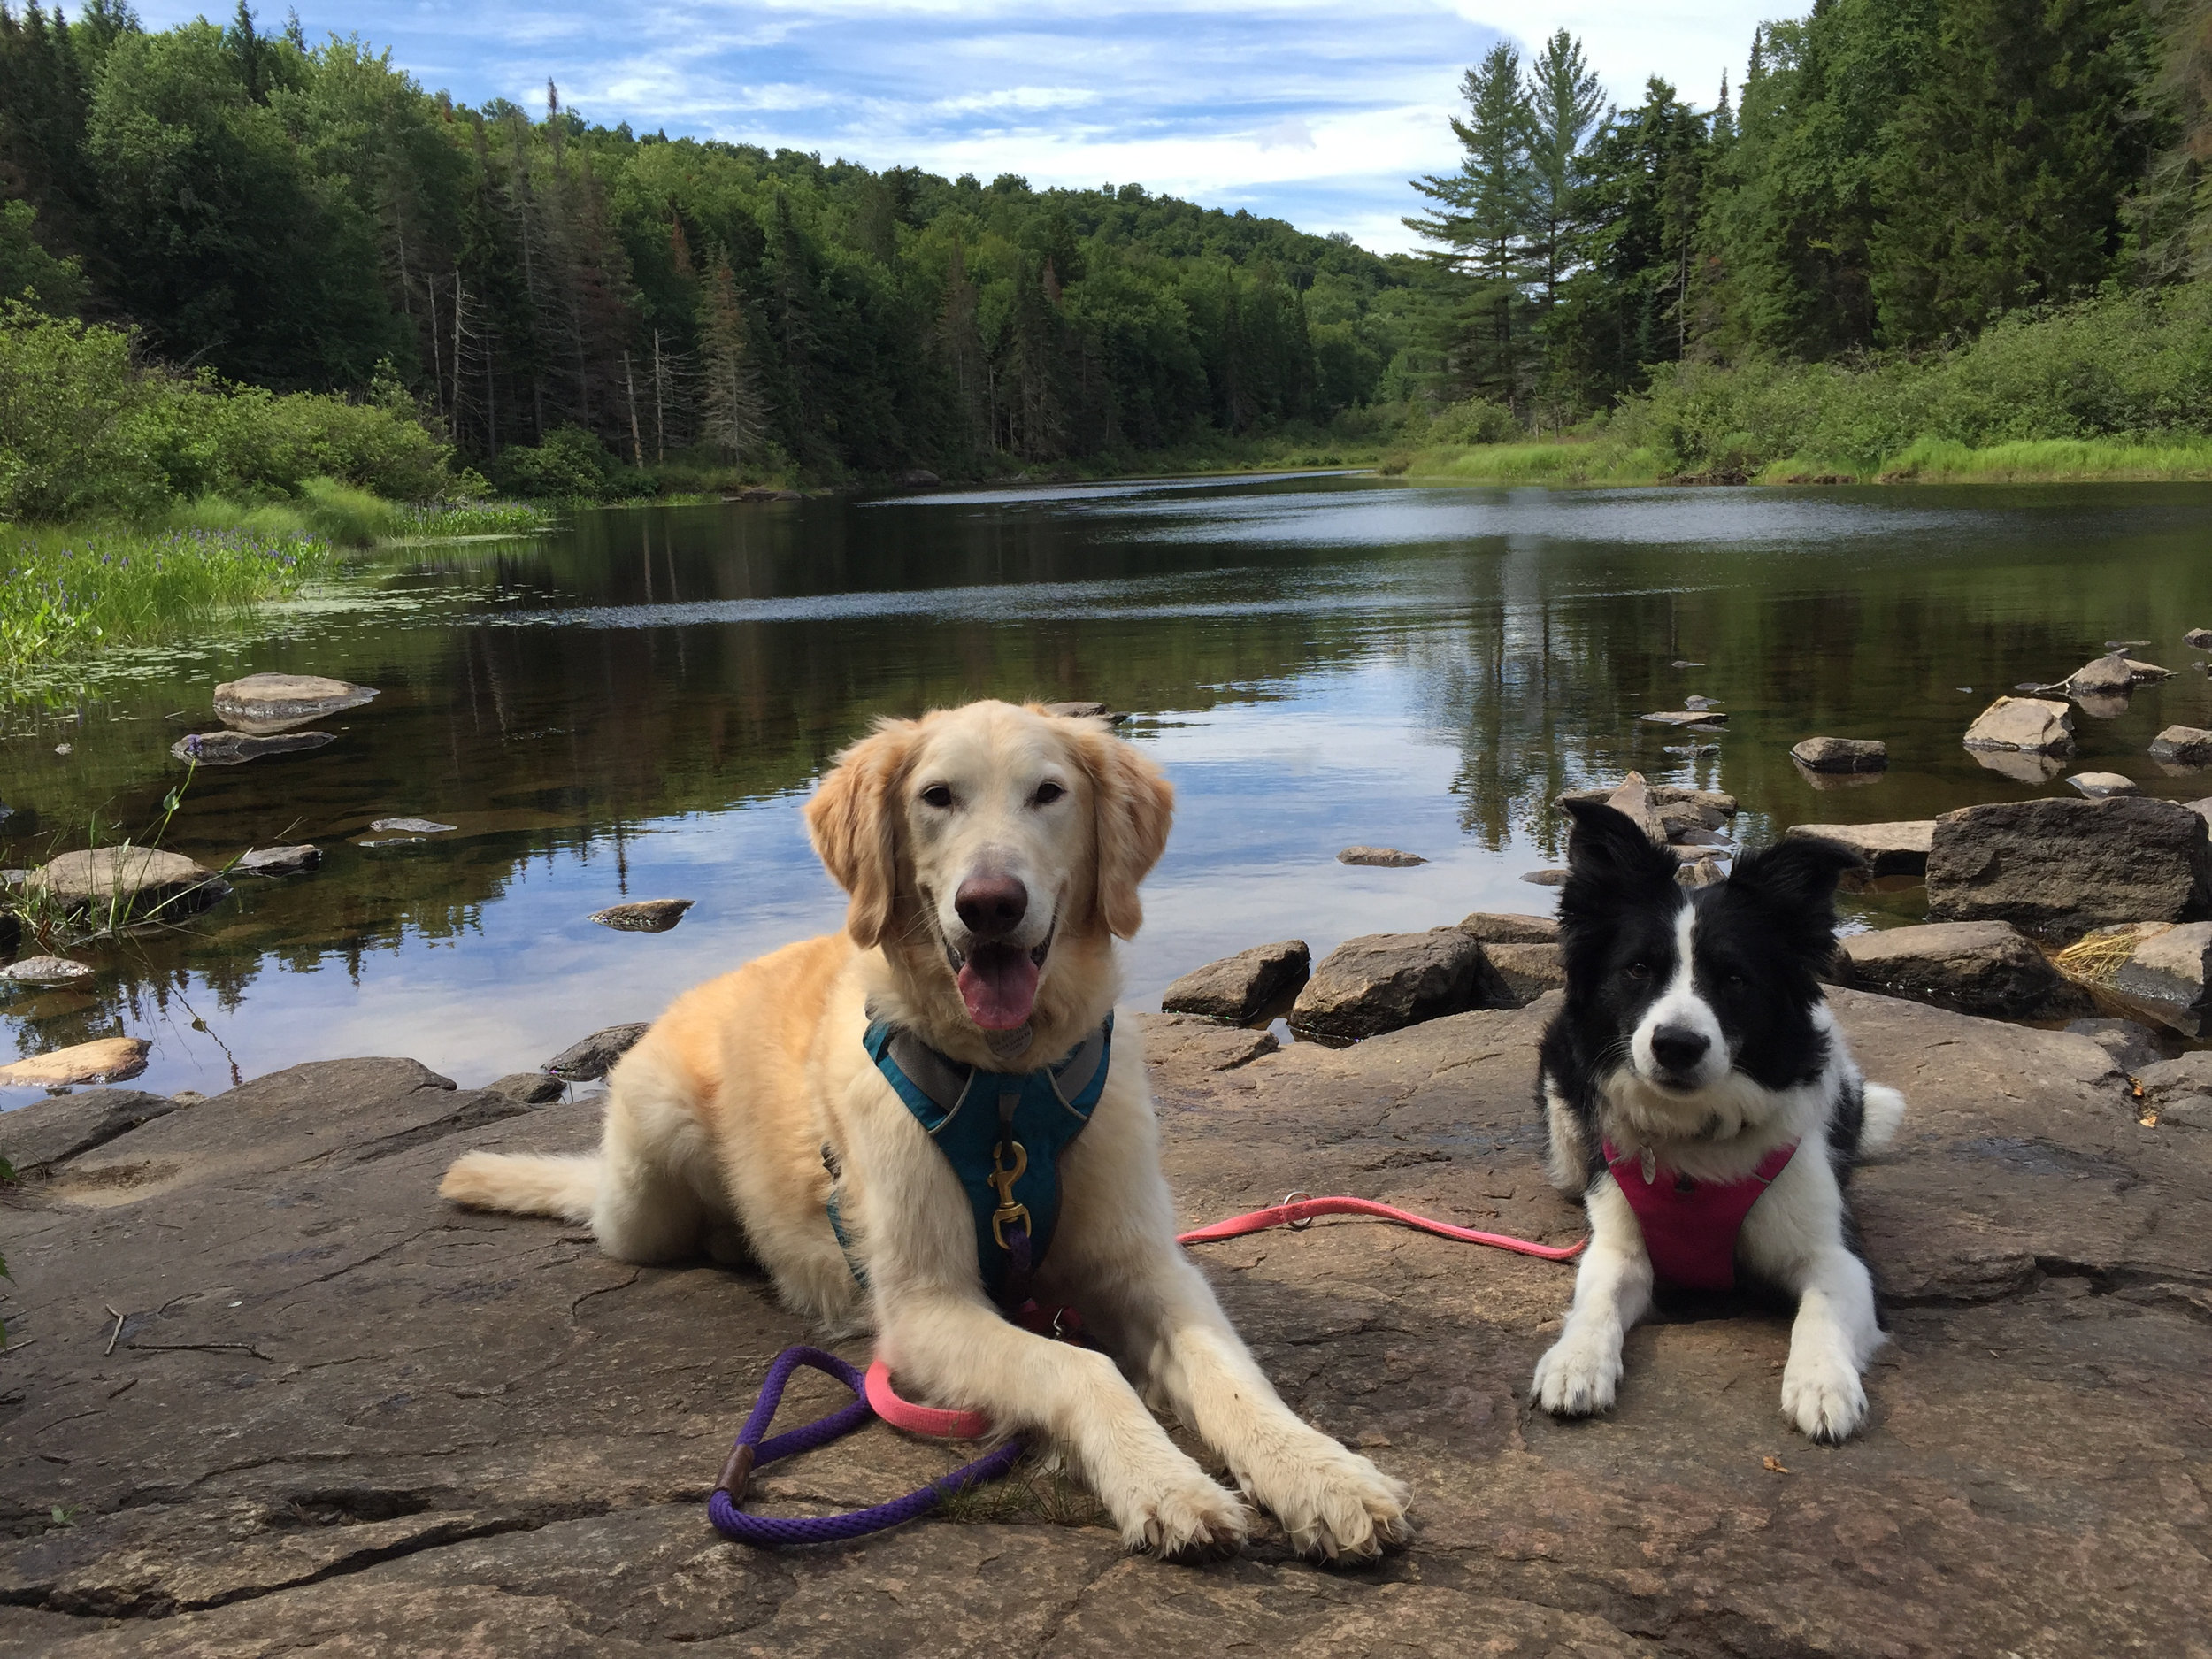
x=1299 y=1224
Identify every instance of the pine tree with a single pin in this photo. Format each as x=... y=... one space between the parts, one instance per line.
x=729 y=397
x=1565 y=105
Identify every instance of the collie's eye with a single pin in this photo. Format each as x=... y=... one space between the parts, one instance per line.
x=1734 y=981
x=1048 y=792
x=937 y=795
x=1638 y=970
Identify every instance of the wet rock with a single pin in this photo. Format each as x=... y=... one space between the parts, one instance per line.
x=1197 y=1042
x=1239 y=987
x=1383 y=982
x=1086 y=711
x=2158 y=968
x=1693 y=718
x=1381 y=857
x=2031 y=724
x=279 y=861
x=1699 y=705
x=1984 y=968
x=235 y=748
x=1674 y=804
x=144 y=882
x=2109 y=675
x=1898 y=848
x=45 y=970
x=594 y=1056
x=2200 y=639
x=2184 y=745
x=410 y=826
x=1527 y=970
x=48 y=1132
x=1495 y=927
x=266 y=703
x=2062 y=866
x=1632 y=801
x=527 y=1089
x=2145 y=674
x=1690 y=751
x=1841 y=753
x=1546 y=877
x=1683 y=662
x=643 y=916
x=1705 y=872
x=2131 y=1045
x=103 y=1060
x=2099 y=785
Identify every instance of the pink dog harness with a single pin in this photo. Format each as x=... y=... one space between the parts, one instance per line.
x=1690 y=1227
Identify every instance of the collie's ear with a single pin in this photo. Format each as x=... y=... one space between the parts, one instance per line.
x=1133 y=805
x=1608 y=855
x=1794 y=883
x=853 y=821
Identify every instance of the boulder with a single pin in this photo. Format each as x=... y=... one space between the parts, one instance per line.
x=2062 y=866
x=45 y=970
x=2033 y=724
x=1493 y=927
x=527 y=1089
x=643 y=916
x=265 y=703
x=1705 y=873
x=235 y=748
x=2131 y=1044
x=1896 y=848
x=1632 y=801
x=279 y=861
x=2183 y=746
x=1527 y=970
x=129 y=882
x=2145 y=673
x=2099 y=785
x=2179 y=1091
x=1381 y=982
x=1382 y=857
x=1841 y=753
x=50 y=1132
x=1546 y=877
x=1672 y=801
x=2109 y=675
x=1696 y=717
x=2200 y=638
x=1242 y=987
x=1192 y=1042
x=593 y=1057
x=1984 y=968
x=2158 y=968
x=103 y=1060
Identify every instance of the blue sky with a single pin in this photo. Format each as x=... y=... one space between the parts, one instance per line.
x=1317 y=112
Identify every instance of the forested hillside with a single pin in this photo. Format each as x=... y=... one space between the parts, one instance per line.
x=291 y=215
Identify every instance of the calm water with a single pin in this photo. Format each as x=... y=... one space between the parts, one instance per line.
x=637 y=707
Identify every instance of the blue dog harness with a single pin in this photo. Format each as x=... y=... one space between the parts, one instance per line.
x=1002 y=1133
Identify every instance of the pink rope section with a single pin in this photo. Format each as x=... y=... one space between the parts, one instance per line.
x=900 y=1414
x=1299 y=1210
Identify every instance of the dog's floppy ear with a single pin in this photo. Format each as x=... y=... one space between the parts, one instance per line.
x=1133 y=806
x=1608 y=855
x=1794 y=883
x=853 y=821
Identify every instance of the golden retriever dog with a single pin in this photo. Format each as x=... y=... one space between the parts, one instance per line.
x=991 y=855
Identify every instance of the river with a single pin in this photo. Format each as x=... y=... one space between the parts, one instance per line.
x=637 y=706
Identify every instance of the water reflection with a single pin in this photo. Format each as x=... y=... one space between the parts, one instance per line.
x=634 y=708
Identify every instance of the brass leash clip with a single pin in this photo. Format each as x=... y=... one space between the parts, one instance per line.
x=1003 y=1179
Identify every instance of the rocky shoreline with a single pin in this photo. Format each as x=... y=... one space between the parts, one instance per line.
x=264 y=1393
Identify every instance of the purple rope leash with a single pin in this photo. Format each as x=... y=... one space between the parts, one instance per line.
x=751 y=1450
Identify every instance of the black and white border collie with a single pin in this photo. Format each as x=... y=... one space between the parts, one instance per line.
x=1694 y=1046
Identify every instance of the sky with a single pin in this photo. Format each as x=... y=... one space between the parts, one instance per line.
x=1315 y=112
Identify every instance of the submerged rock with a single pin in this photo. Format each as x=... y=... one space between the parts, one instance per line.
x=1898 y=848
x=2099 y=785
x=265 y=703
x=1984 y=967
x=643 y=916
x=1841 y=753
x=279 y=861
x=1381 y=982
x=410 y=826
x=1694 y=718
x=2059 y=866
x=2033 y=724
x=129 y=882
x=1380 y=858
x=105 y=1060
x=2200 y=638
x=45 y=970
x=2183 y=745
x=235 y=748
x=1239 y=987
x=594 y=1056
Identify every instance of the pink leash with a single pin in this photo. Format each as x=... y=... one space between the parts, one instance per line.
x=1297 y=1211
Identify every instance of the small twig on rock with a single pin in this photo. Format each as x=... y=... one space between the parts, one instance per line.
x=116 y=1333
x=180 y=1347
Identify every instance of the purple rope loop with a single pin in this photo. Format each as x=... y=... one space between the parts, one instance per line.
x=770 y=1531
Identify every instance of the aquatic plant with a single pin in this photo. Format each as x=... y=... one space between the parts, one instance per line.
x=474 y=518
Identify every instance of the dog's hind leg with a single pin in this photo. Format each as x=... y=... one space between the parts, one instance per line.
x=1580 y=1373
x=655 y=1176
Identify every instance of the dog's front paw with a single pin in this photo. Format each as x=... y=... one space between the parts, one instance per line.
x=1186 y=1517
x=1578 y=1375
x=1333 y=1503
x=1822 y=1394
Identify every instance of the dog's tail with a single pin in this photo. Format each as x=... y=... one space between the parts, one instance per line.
x=524 y=1185
x=1885 y=1112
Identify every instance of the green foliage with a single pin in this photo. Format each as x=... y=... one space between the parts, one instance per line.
x=28 y=273
x=445 y=519
x=571 y=465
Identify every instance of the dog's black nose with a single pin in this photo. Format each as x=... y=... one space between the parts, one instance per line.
x=1677 y=1047
x=991 y=907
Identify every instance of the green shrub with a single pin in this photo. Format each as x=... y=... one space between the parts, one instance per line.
x=1477 y=420
x=70 y=400
x=571 y=465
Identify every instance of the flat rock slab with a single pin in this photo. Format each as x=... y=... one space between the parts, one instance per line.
x=50 y=1131
x=45 y=970
x=1239 y=987
x=2131 y=1044
x=131 y=881
x=1382 y=982
x=2062 y=866
x=270 y=703
x=341 y=1418
x=2033 y=724
x=1986 y=968
x=235 y=748
x=279 y=861
x=1506 y=929
x=1841 y=753
x=1895 y=848
x=594 y=1056
x=1381 y=857
x=103 y=1060
x=1686 y=716
x=410 y=826
x=643 y=916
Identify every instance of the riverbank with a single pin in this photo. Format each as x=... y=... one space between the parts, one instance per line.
x=1601 y=461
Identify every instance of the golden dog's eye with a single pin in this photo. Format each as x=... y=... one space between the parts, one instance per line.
x=937 y=795
x=1048 y=792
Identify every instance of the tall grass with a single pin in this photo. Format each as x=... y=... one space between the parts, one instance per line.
x=474 y=518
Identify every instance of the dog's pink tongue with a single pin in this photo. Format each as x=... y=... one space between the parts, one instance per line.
x=999 y=985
